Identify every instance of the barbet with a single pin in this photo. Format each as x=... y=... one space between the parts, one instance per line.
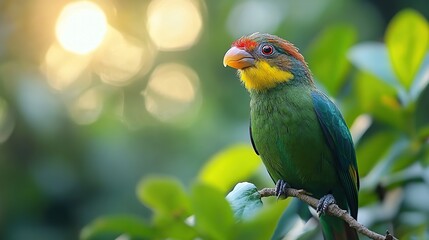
x=297 y=130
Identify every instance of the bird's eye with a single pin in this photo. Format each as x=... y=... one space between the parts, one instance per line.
x=267 y=50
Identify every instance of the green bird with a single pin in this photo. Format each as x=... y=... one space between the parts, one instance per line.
x=296 y=129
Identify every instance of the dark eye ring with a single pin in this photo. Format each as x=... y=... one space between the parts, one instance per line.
x=267 y=50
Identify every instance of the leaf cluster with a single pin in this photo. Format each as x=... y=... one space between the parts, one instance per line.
x=202 y=211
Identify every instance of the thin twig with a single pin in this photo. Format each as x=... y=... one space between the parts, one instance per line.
x=333 y=210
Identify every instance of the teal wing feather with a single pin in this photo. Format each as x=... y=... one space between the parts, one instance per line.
x=340 y=142
x=251 y=139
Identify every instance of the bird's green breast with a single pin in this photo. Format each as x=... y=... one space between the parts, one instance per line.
x=289 y=139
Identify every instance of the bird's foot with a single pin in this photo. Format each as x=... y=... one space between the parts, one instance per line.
x=324 y=203
x=281 y=187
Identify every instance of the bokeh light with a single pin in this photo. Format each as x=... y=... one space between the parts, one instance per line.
x=172 y=92
x=120 y=58
x=87 y=107
x=174 y=24
x=81 y=27
x=63 y=68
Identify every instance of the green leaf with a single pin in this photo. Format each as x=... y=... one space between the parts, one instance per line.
x=372 y=57
x=350 y=109
x=174 y=229
x=372 y=150
x=410 y=228
x=372 y=92
x=327 y=56
x=421 y=112
x=407 y=39
x=372 y=179
x=232 y=165
x=379 y=99
x=408 y=156
x=117 y=225
x=263 y=224
x=425 y=155
x=245 y=200
x=213 y=215
x=404 y=177
x=165 y=196
x=421 y=80
x=368 y=197
x=295 y=212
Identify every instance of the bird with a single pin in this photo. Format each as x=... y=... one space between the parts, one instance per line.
x=298 y=132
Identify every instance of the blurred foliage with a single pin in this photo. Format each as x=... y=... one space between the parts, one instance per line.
x=232 y=170
x=212 y=216
x=406 y=40
x=78 y=132
x=332 y=47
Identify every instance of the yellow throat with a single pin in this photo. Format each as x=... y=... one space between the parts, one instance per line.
x=263 y=76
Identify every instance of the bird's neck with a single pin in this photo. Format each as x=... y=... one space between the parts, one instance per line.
x=289 y=93
x=300 y=80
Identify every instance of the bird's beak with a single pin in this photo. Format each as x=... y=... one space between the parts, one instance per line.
x=238 y=58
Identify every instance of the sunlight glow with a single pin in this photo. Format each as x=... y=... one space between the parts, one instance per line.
x=174 y=24
x=172 y=92
x=63 y=68
x=121 y=57
x=81 y=27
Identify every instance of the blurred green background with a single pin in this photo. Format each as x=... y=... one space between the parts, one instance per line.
x=95 y=96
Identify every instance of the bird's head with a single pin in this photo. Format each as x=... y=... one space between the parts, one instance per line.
x=263 y=61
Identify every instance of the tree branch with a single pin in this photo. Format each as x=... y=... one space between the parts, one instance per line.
x=333 y=210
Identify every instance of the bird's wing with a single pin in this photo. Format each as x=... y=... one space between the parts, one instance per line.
x=251 y=139
x=340 y=142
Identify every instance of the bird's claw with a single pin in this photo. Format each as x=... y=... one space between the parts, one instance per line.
x=281 y=187
x=324 y=203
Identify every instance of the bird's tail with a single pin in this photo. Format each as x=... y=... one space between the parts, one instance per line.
x=336 y=229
